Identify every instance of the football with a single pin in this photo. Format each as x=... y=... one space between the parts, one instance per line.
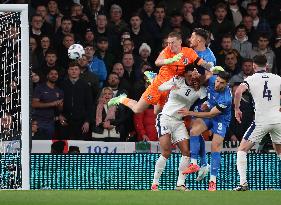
x=75 y=51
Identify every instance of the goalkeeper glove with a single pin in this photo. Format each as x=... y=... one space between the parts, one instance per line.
x=216 y=69
x=175 y=58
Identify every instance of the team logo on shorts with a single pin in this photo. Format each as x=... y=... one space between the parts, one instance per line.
x=149 y=97
x=185 y=61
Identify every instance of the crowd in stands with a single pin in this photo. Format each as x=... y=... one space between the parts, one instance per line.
x=122 y=39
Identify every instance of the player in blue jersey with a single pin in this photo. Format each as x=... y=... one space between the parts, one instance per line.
x=198 y=42
x=216 y=117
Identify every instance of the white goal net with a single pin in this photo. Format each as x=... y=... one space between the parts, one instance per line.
x=14 y=97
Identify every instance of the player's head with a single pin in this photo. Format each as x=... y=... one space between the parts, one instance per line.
x=222 y=81
x=259 y=63
x=198 y=37
x=174 y=41
x=192 y=77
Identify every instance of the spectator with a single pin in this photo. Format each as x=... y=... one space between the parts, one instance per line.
x=8 y=131
x=104 y=54
x=77 y=110
x=89 y=37
x=263 y=48
x=235 y=12
x=54 y=15
x=109 y=123
x=231 y=63
x=57 y=147
x=101 y=30
x=79 y=18
x=67 y=41
x=138 y=34
x=46 y=28
x=36 y=133
x=101 y=26
x=94 y=8
x=36 y=28
x=124 y=83
x=176 y=22
x=248 y=22
x=144 y=52
x=277 y=49
x=188 y=14
x=247 y=70
x=226 y=45
x=90 y=78
x=131 y=74
x=260 y=24
x=35 y=78
x=269 y=11
x=221 y=25
x=116 y=24
x=205 y=22
x=45 y=44
x=113 y=82
x=158 y=27
x=146 y=13
x=241 y=43
x=47 y=100
x=64 y=29
x=96 y=65
x=50 y=62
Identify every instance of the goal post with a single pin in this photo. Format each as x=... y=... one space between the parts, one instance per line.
x=23 y=62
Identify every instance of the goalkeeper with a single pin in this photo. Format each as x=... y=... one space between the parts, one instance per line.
x=172 y=60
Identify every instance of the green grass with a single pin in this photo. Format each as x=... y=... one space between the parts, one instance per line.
x=93 y=197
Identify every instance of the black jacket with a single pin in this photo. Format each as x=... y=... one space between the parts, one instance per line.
x=77 y=101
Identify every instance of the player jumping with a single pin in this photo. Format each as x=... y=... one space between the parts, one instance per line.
x=173 y=60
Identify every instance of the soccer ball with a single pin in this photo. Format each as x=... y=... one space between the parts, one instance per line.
x=75 y=51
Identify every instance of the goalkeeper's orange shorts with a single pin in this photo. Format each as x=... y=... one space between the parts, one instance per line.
x=153 y=96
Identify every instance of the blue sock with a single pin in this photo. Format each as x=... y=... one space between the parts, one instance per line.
x=202 y=152
x=215 y=163
x=194 y=147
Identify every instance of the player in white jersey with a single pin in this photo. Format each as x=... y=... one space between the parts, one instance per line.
x=265 y=89
x=170 y=125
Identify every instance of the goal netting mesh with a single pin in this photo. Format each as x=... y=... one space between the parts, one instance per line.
x=10 y=100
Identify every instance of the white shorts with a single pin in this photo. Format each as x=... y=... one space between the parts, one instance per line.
x=255 y=133
x=169 y=125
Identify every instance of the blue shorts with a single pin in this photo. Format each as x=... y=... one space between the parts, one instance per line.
x=216 y=127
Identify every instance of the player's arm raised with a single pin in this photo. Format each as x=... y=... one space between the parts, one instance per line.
x=162 y=60
x=168 y=85
x=237 y=98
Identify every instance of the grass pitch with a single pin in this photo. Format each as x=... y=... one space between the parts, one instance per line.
x=100 y=197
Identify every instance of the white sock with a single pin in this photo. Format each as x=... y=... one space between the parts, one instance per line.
x=242 y=166
x=184 y=162
x=193 y=161
x=213 y=178
x=159 y=167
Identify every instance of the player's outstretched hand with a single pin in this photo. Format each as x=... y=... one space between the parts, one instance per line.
x=175 y=58
x=184 y=112
x=216 y=69
x=238 y=115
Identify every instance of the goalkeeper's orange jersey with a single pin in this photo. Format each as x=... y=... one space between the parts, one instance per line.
x=152 y=95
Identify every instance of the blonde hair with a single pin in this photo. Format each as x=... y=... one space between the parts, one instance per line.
x=103 y=91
